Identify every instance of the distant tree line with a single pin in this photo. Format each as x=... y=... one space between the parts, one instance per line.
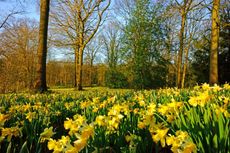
x=139 y=44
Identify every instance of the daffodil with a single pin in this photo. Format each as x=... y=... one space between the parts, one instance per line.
x=170 y=140
x=205 y=86
x=128 y=138
x=30 y=116
x=79 y=119
x=95 y=109
x=113 y=123
x=84 y=104
x=47 y=134
x=189 y=147
x=80 y=143
x=201 y=99
x=100 y=120
x=65 y=140
x=182 y=135
x=71 y=149
x=193 y=101
x=226 y=86
x=3 y=119
x=163 y=109
x=151 y=109
x=87 y=131
x=112 y=99
x=216 y=88
x=71 y=125
x=68 y=123
x=142 y=103
x=180 y=143
x=12 y=131
x=159 y=135
x=54 y=145
x=136 y=110
x=26 y=107
x=141 y=125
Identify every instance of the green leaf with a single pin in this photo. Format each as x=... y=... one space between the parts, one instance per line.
x=215 y=142
x=221 y=127
x=9 y=148
x=24 y=148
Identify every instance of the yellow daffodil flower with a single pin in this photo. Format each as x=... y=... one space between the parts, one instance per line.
x=47 y=134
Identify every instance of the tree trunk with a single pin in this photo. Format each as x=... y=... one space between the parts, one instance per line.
x=80 y=54
x=186 y=61
x=79 y=69
x=76 y=66
x=180 y=53
x=40 y=84
x=213 y=71
x=185 y=66
x=91 y=72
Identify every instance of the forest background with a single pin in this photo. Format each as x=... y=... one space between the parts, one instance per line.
x=141 y=44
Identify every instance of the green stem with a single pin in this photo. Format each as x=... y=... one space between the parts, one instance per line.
x=165 y=121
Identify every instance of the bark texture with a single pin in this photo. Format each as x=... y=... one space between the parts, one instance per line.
x=40 y=84
x=213 y=70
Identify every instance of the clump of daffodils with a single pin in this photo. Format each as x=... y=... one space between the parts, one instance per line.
x=202 y=99
x=73 y=125
x=180 y=143
x=79 y=133
x=159 y=133
x=170 y=110
x=10 y=132
x=114 y=117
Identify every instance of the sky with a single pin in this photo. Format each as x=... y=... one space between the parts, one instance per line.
x=31 y=10
x=29 y=6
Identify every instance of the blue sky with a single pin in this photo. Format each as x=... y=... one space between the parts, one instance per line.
x=29 y=6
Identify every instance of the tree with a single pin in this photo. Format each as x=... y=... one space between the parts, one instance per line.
x=60 y=73
x=18 y=48
x=194 y=29
x=40 y=84
x=91 y=51
x=213 y=70
x=112 y=47
x=142 y=40
x=15 y=9
x=4 y=21
x=184 y=8
x=169 y=47
x=79 y=20
x=202 y=47
x=224 y=43
x=200 y=62
x=111 y=44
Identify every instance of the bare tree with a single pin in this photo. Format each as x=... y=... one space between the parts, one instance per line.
x=184 y=7
x=8 y=16
x=16 y=8
x=195 y=25
x=18 y=47
x=40 y=84
x=79 y=21
x=91 y=51
x=112 y=44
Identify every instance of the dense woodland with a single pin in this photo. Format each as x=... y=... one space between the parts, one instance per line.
x=141 y=44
